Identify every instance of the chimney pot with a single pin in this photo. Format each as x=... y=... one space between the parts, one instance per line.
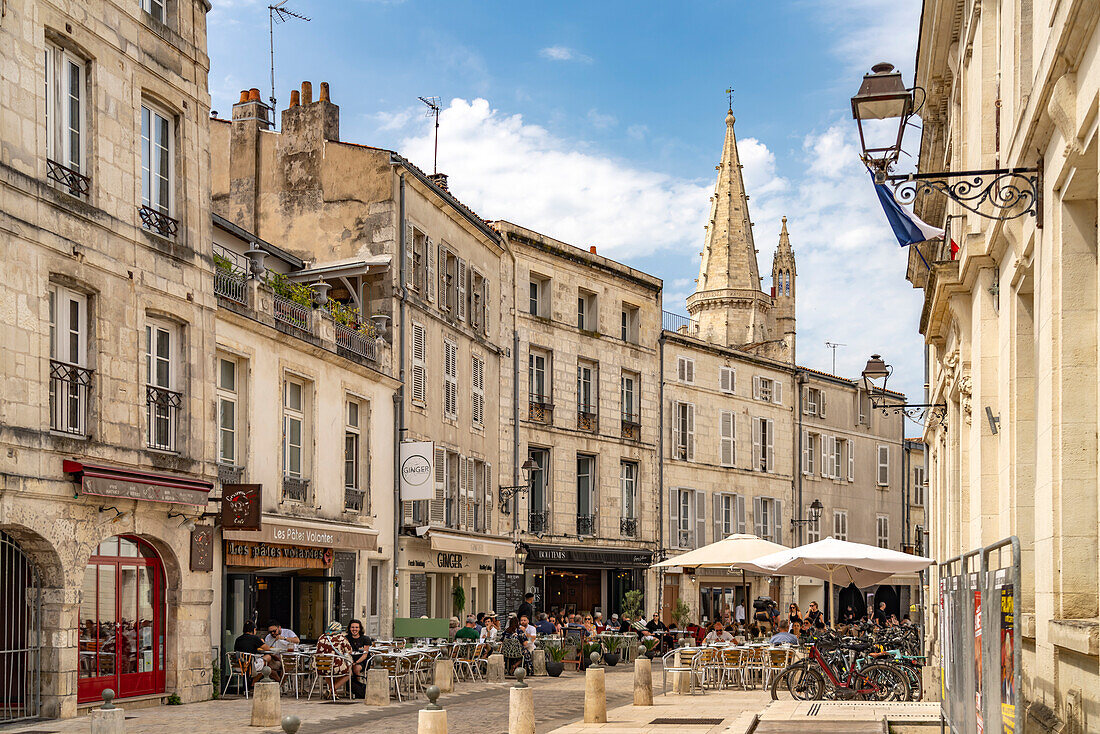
x=324 y=92
x=307 y=93
x=244 y=96
x=293 y=97
x=592 y=249
x=253 y=95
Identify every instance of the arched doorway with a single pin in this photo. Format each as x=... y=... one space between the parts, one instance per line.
x=851 y=603
x=888 y=595
x=122 y=620
x=20 y=632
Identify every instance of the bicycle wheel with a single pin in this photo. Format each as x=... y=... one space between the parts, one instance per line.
x=883 y=682
x=801 y=681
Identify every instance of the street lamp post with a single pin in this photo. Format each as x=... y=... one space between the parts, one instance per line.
x=875 y=375
x=814 y=513
x=505 y=494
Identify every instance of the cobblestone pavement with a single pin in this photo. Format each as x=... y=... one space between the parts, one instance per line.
x=475 y=707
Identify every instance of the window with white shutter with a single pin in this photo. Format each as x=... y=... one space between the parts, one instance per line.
x=438 y=505
x=809 y=401
x=777 y=392
x=488 y=485
x=450 y=379
x=410 y=257
x=727 y=434
x=821 y=404
x=808 y=440
x=918 y=485
x=837 y=454
x=882 y=527
x=727 y=382
x=683 y=432
x=740 y=513
x=851 y=447
x=763 y=444
x=674 y=518
x=883 y=466
x=445 y=302
x=813 y=527
x=429 y=268
x=419 y=364
x=685 y=370
x=826 y=456
x=460 y=285
x=700 y=538
x=477 y=412
x=777 y=520
x=840 y=524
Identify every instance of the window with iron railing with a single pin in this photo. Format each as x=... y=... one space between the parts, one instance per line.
x=66 y=120
x=157 y=171
x=162 y=402
x=70 y=377
x=586 y=494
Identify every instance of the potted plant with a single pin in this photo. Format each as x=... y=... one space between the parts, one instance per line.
x=681 y=613
x=611 y=653
x=458 y=597
x=555 y=655
x=650 y=645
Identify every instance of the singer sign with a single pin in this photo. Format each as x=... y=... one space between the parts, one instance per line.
x=417 y=470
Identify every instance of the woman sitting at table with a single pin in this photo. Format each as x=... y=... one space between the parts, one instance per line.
x=360 y=650
x=794 y=613
x=589 y=627
x=514 y=647
x=334 y=642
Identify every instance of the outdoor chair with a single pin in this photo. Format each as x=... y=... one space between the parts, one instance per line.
x=297 y=671
x=687 y=665
x=240 y=666
x=753 y=666
x=465 y=660
x=324 y=668
x=776 y=660
x=733 y=670
x=398 y=669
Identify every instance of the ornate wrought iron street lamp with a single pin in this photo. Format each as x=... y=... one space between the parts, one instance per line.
x=875 y=375
x=505 y=494
x=814 y=513
x=994 y=193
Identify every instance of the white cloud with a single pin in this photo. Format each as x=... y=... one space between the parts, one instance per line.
x=564 y=53
x=865 y=32
x=637 y=132
x=600 y=120
x=507 y=168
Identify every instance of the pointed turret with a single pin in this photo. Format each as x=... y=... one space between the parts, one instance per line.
x=728 y=303
x=783 y=287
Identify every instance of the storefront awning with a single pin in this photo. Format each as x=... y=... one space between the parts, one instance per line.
x=115 y=481
x=457 y=543
x=309 y=533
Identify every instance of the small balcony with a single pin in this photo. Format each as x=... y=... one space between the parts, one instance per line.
x=230 y=474
x=75 y=182
x=295 y=489
x=679 y=324
x=586 y=524
x=162 y=411
x=587 y=418
x=292 y=313
x=356 y=342
x=538 y=522
x=685 y=539
x=540 y=409
x=632 y=427
x=231 y=286
x=70 y=387
x=628 y=527
x=354 y=499
x=159 y=222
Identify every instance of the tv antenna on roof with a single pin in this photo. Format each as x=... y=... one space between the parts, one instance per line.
x=833 y=346
x=278 y=13
x=433 y=110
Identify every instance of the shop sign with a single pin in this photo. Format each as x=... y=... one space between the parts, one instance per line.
x=202 y=548
x=578 y=555
x=241 y=506
x=449 y=560
x=417 y=458
x=117 y=487
x=287 y=531
x=272 y=555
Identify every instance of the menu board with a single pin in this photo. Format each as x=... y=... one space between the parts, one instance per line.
x=507 y=593
x=418 y=595
x=343 y=567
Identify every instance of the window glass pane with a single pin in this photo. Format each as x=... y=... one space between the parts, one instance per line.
x=126 y=643
x=89 y=624
x=353 y=413
x=146 y=157
x=127 y=548
x=162 y=162
x=74 y=331
x=74 y=116
x=227 y=375
x=145 y=632
x=105 y=620
x=294 y=396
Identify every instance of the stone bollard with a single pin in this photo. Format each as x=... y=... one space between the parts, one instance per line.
x=595 y=694
x=432 y=718
x=681 y=682
x=521 y=706
x=538 y=660
x=291 y=723
x=643 y=679
x=108 y=718
x=266 y=703
x=444 y=676
x=378 y=687
x=494 y=671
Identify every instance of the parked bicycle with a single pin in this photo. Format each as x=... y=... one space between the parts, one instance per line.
x=842 y=669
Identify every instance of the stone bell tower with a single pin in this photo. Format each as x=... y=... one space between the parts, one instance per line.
x=783 y=286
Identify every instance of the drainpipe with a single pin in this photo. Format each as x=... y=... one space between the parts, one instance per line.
x=660 y=463
x=515 y=431
x=399 y=399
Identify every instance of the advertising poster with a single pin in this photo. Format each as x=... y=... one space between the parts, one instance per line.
x=944 y=666
x=978 y=660
x=1008 y=660
x=417 y=470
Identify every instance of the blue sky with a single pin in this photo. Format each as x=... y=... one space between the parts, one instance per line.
x=601 y=123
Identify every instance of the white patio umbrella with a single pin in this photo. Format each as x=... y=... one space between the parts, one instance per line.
x=733 y=550
x=839 y=561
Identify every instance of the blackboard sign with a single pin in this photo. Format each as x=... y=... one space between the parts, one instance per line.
x=343 y=567
x=507 y=593
x=418 y=595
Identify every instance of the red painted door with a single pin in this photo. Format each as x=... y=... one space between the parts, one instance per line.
x=122 y=621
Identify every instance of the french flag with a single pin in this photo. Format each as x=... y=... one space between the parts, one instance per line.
x=907 y=226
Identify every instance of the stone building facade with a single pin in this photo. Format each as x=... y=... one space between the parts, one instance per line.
x=586 y=376
x=329 y=201
x=108 y=452
x=1010 y=323
x=304 y=415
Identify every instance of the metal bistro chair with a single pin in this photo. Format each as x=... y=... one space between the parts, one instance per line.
x=733 y=671
x=464 y=660
x=481 y=658
x=687 y=665
x=297 y=670
x=776 y=659
x=422 y=672
x=324 y=668
x=753 y=666
x=240 y=666
x=398 y=668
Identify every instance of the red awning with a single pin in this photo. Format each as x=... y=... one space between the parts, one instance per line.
x=115 y=481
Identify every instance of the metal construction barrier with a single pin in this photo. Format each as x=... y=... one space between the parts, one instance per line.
x=979 y=652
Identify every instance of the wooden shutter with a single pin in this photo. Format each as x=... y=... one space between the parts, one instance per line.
x=674 y=518
x=478 y=379
x=717 y=518
x=757 y=439
x=806 y=393
x=437 y=507
x=740 y=502
x=410 y=275
x=441 y=265
x=488 y=484
x=777 y=521
x=419 y=369
x=807 y=453
x=756 y=387
x=690 y=431
x=771 y=445
x=757 y=516
x=485 y=312
x=460 y=499
x=821 y=403
x=726 y=427
x=681 y=369
x=700 y=519
x=429 y=267
x=826 y=456
x=726 y=379
x=851 y=460
x=677 y=435
x=460 y=274
x=883 y=466
x=777 y=392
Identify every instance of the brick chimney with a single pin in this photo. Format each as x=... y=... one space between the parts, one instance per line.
x=439 y=179
x=250 y=117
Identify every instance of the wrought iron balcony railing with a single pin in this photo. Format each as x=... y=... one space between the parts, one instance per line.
x=632 y=427
x=586 y=524
x=230 y=285
x=76 y=182
x=70 y=388
x=540 y=409
x=628 y=527
x=295 y=488
x=356 y=342
x=353 y=499
x=679 y=324
x=230 y=474
x=294 y=314
x=587 y=418
x=538 y=521
x=158 y=222
x=162 y=413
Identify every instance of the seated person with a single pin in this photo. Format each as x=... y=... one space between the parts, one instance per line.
x=787 y=638
x=469 y=632
x=249 y=643
x=360 y=647
x=280 y=638
x=717 y=634
x=545 y=626
x=334 y=642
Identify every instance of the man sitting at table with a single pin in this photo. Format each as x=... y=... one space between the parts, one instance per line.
x=469 y=632
x=545 y=626
x=280 y=638
x=718 y=634
x=252 y=645
x=787 y=638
